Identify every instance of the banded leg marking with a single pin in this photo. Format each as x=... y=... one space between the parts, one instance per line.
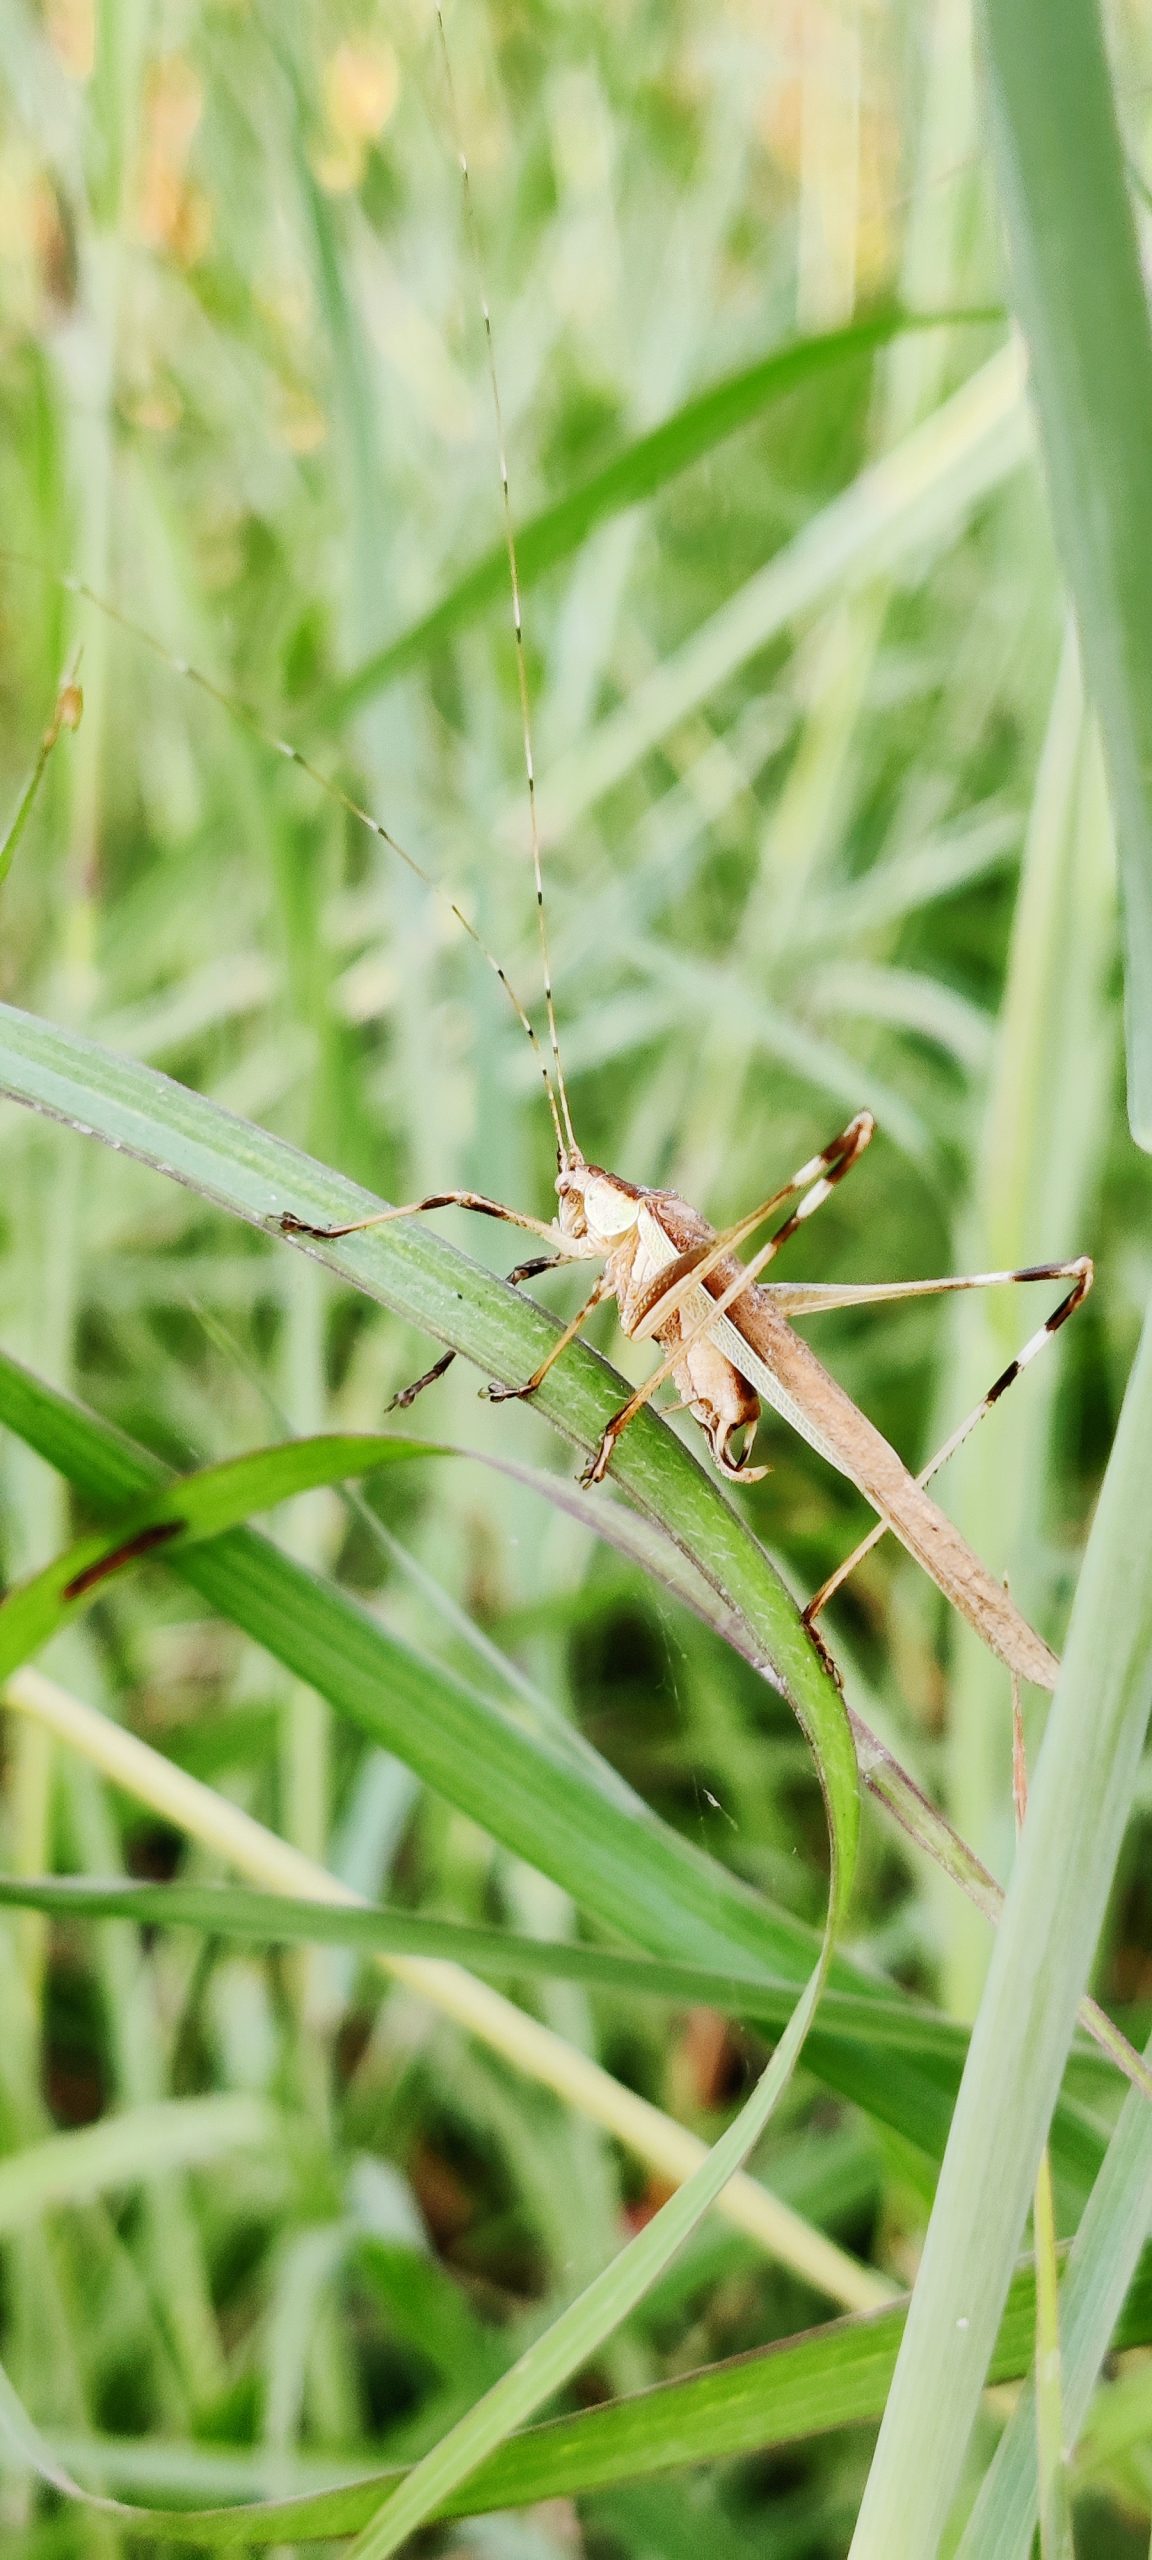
x=1080 y=1273
x=671 y=1285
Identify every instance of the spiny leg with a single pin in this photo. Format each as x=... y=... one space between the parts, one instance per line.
x=1080 y=1273
x=828 y=1169
x=523 y=1271
x=601 y=1290
x=291 y=1225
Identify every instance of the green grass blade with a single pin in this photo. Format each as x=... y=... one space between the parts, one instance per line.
x=238 y=1914
x=192 y=1508
x=574 y=2338
x=121 y=2150
x=645 y=467
x=831 y=2377
x=65 y=716
x=1078 y=1808
x=620 y=1863
x=1080 y=295
x=408 y=1267
x=1100 y=2270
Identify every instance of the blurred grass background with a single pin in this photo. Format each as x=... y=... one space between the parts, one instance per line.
x=819 y=836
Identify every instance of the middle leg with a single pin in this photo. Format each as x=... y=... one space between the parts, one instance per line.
x=600 y=1290
x=524 y=1271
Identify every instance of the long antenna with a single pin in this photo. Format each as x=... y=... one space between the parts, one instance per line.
x=249 y=718
x=568 y=1150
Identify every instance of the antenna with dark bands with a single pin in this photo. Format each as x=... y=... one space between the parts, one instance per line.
x=568 y=1149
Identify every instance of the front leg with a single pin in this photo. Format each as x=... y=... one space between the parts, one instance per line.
x=291 y=1225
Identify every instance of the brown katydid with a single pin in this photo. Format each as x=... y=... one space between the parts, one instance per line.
x=727 y=1338
x=728 y=1342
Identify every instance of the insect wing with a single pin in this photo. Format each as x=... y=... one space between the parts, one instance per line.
x=786 y=1372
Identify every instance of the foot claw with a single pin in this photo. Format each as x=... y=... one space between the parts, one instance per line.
x=406 y=1396
x=596 y=1468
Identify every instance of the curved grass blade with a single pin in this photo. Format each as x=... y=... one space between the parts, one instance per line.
x=257 y=1177
x=191 y=1508
x=406 y=1266
x=626 y=1869
x=646 y=466
x=804 y=2387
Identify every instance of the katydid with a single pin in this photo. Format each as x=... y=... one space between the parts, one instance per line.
x=726 y=1336
x=727 y=1339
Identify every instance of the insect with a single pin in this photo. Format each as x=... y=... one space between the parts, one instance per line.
x=727 y=1338
x=725 y=1335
